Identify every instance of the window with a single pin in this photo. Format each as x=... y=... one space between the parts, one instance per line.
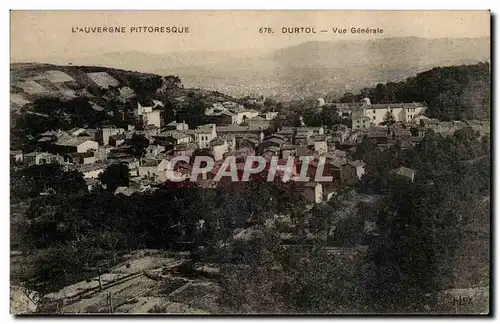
x=357 y=121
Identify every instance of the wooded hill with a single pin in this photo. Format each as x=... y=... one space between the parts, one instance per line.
x=451 y=93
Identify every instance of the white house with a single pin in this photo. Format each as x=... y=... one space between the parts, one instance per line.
x=218 y=148
x=79 y=144
x=91 y=171
x=154 y=168
x=402 y=112
x=320 y=144
x=41 y=158
x=149 y=116
x=352 y=171
x=204 y=134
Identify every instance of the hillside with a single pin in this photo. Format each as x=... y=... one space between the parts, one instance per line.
x=49 y=97
x=308 y=69
x=451 y=93
x=99 y=85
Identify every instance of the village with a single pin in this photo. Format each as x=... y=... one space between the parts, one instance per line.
x=153 y=149
x=240 y=132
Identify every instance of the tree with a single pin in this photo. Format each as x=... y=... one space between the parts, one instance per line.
x=349 y=231
x=138 y=144
x=114 y=176
x=35 y=179
x=389 y=119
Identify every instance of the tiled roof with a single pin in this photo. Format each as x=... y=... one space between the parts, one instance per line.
x=66 y=140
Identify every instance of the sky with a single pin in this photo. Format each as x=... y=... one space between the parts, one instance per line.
x=38 y=35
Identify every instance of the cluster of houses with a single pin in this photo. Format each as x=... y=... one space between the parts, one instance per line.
x=231 y=113
x=232 y=132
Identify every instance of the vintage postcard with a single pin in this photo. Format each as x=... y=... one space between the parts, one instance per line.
x=250 y=162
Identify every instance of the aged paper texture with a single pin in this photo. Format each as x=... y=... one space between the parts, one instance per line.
x=250 y=162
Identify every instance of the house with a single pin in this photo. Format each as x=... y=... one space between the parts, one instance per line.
x=154 y=150
x=288 y=150
x=402 y=112
x=203 y=135
x=269 y=115
x=154 y=169
x=419 y=118
x=430 y=123
x=242 y=153
x=182 y=126
x=175 y=137
x=147 y=114
x=243 y=114
x=248 y=142
x=230 y=139
x=404 y=172
x=224 y=117
x=81 y=158
x=341 y=131
x=76 y=131
x=117 y=140
x=151 y=130
x=37 y=158
x=127 y=191
x=91 y=171
x=377 y=136
x=273 y=140
x=301 y=139
x=360 y=121
x=320 y=144
x=306 y=131
x=240 y=130
x=288 y=132
x=352 y=171
x=185 y=149
x=104 y=133
x=270 y=151
x=258 y=121
x=218 y=148
x=80 y=144
x=345 y=110
x=101 y=154
x=17 y=156
x=313 y=192
x=415 y=141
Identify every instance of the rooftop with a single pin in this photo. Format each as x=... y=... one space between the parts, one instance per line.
x=405 y=172
x=66 y=140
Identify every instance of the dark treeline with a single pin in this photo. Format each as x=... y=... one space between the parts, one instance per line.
x=430 y=231
x=422 y=247
x=451 y=93
x=67 y=220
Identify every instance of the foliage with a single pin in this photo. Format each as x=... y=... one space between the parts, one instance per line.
x=114 y=176
x=451 y=93
x=389 y=119
x=138 y=145
x=31 y=181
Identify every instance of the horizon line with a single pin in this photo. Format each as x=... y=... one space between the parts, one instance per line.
x=260 y=50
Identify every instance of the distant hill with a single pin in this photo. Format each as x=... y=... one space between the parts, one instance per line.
x=399 y=52
x=308 y=69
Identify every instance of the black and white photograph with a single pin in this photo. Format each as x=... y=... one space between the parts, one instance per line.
x=250 y=162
